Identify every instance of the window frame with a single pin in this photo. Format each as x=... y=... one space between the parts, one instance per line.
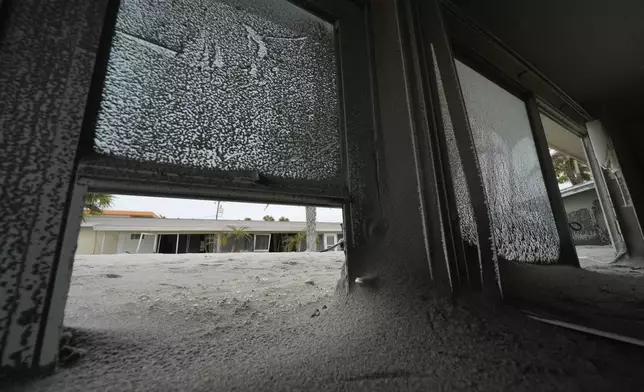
x=268 y=247
x=104 y=173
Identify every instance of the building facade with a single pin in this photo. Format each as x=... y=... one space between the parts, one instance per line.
x=108 y=234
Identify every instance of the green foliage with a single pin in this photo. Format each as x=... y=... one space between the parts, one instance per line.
x=223 y=239
x=292 y=243
x=568 y=169
x=239 y=233
x=247 y=219
x=95 y=203
x=283 y=219
x=268 y=218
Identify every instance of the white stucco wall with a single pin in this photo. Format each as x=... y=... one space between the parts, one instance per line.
x=86 y=241
x=127 y=244
x=90 y=242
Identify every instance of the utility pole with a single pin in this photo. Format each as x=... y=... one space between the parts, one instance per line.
x=311 y=232
x=219 y=211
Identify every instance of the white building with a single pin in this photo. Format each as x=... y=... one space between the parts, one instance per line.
x=110 y=233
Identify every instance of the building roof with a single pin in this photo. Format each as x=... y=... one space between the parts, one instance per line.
x=130 y=214
x=146 y=225
x=573 y=190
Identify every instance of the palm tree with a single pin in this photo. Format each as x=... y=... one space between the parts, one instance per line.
x=569 y=169
x=292 y=243
x=94 y=203
x=239 y=233
x=219 y=240
x=311 y=231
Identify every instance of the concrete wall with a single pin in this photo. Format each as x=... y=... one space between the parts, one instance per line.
x=584 y=208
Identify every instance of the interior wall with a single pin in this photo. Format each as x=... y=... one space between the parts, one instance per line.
x=628 y=194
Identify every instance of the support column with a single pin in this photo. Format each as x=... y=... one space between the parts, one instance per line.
x=103 y=243
x=156 y=241
x=176 y=250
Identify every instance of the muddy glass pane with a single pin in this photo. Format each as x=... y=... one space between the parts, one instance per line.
x=461 y=193
x=228 y=85
x=522 y=219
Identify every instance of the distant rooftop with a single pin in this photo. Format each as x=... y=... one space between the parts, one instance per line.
x=129 y=214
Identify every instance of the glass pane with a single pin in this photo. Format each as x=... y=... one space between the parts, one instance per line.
x=330 y=240
x=228 y=85
x=262 y=242
x=522 y=219
x=461 y=193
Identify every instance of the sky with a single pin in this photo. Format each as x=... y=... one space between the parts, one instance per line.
x=205 y=209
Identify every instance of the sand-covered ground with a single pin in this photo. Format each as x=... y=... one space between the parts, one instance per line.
x=272 y=322
x=128 y=292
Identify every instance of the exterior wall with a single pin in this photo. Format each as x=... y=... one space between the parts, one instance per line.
x=111 y=242
x=584 y=208
x=121 y=242
x=128 y=245
x=90 y=241
x=87 y=239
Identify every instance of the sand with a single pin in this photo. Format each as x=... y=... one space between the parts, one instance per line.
x=244 y=322
x=129 y=291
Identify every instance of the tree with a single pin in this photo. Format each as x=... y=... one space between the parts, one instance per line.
x=569 y=169
x=283 y=219
x=247 y=219
x=95 y=203
x=269 y=218
x=239 y=233
x=311 y=233
x=292 y=243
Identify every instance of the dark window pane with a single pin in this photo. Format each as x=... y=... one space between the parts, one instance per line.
x=262 y=241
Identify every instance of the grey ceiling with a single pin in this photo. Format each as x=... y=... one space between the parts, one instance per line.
x=592 y=49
